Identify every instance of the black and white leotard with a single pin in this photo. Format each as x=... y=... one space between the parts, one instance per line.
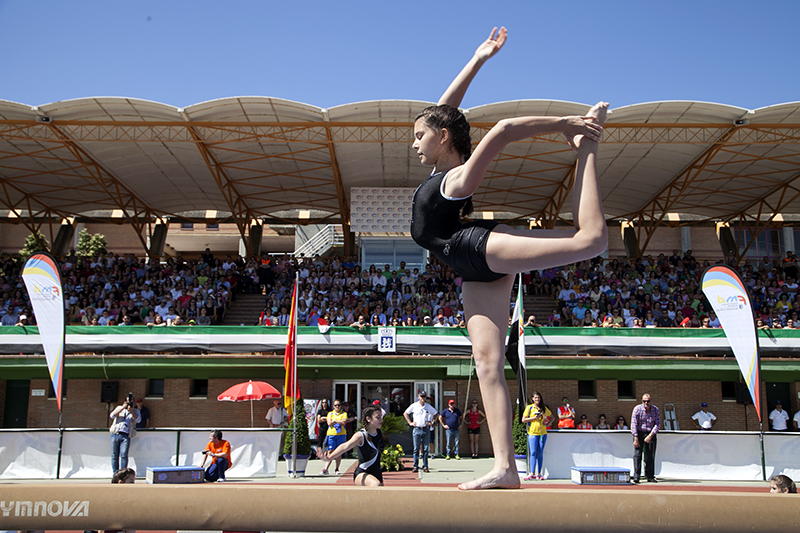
x=369 y=455
x=436 y=226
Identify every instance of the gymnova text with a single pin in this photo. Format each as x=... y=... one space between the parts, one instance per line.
x=53 y=508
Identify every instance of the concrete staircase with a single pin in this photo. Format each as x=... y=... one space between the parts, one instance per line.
x=540 y=306
x=244 y=310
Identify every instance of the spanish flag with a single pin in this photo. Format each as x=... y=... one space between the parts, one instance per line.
x=291 y=390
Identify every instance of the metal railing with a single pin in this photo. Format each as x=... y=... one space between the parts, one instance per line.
x=328 y=237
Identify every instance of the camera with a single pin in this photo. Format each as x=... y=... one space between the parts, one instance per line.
x=130 y=398
x=204 y=452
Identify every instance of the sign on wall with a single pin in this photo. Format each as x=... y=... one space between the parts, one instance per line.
x=381 y=209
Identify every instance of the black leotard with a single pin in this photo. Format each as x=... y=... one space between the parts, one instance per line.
x=369 y=455
x=436 y=226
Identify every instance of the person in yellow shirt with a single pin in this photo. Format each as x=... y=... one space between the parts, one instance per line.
x=337 y=433
x=538 y=417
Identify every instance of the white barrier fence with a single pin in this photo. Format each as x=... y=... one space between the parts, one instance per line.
x=86 y=453
x=693 y=455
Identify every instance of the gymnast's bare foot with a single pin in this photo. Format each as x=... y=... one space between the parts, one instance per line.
x=494 y=480
x=599 y=113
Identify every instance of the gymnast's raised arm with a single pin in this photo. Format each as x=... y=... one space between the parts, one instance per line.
x=455 y=92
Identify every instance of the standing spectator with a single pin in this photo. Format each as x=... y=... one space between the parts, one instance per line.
x=144 y=413
x=336 y=434
x=420 y=415
x=779 y=417
x=450 y=419
x=124 y=419
x=566 y=415
x=278 y=417
x=645 y=421
x=703 y=419
x=322 y=421
x=475 y=418
x=220 y=453
x=349 y=425
x=537 y=416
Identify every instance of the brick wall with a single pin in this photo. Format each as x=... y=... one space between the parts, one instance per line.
x=82 y=407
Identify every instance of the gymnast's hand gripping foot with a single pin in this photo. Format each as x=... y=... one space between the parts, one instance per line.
x=484 y=252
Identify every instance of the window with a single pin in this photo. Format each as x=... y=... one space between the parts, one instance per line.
x=212 y=227
x=728 y=391
x=768 y=243
x=51 y=393
x=380 y=252
x=587 y=390
x=199 y=388
x=155 y=388
x=625 y=390
x=187 y=226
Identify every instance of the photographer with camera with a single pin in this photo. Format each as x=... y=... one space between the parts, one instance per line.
x=219 y=451
x=123 y=428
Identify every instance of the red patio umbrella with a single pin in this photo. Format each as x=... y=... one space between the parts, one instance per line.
x=252 y=390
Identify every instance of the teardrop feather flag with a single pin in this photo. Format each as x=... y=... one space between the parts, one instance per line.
x=43 y=281
x=728 y=297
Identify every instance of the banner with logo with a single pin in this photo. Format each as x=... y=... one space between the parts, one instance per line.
x=728 y=297
x=43 y=281
x=387 y=340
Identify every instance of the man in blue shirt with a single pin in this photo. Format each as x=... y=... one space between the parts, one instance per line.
x=450 y=419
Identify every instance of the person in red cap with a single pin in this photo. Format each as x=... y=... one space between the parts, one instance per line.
x=450 y=419
x=377 y=403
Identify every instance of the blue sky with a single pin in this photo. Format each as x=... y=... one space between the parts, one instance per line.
x=742 y=53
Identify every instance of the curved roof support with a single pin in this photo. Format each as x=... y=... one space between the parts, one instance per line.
x=133 y=208
x=653 y=213
x=341 y=194
x=553 y=206
x=787 y=193
x=240 y=211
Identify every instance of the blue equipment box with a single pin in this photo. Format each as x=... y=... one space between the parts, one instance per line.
x=600 y=475
x=175 y=474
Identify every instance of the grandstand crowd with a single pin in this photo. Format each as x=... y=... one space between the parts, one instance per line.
x=644 y=292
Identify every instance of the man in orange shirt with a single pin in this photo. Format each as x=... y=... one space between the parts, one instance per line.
x=220 y=453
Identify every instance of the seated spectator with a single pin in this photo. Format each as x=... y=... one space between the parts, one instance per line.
x=158 y=321
x=361 y=323
x=531 y=322
x=584 y=424
x=608 y=322
x=664 y=321
x=441 y=322
x=203 y=319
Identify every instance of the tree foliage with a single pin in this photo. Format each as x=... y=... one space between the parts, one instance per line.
x=90 y=246
x=303 y=441
x=520 y=436
x=35 y=242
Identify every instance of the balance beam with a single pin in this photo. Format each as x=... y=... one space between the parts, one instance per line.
x=388 y=509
